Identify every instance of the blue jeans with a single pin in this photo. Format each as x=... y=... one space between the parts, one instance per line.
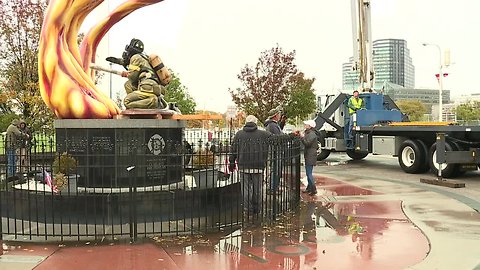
x=275 y=173
x=348 y=133
x=251 y=184
x=11 y=162
x=311 y=182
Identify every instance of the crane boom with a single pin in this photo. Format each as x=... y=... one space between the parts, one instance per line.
x=362 y=43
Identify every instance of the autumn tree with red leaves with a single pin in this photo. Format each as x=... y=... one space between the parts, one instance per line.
x=20 y=27
x=274 y=81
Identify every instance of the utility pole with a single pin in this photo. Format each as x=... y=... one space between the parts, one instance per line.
x=440 y=79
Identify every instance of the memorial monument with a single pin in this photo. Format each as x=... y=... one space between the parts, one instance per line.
x=88 y=127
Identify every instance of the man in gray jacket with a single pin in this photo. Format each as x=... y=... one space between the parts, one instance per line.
x=250 y=151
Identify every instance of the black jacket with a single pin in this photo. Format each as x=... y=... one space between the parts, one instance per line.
x=273 y=127
x=250 y=147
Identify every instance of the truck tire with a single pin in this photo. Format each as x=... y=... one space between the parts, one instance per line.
x=425 y=165
x=413 y=157
x=449 y=169
x=321 y=153
x=356 y=155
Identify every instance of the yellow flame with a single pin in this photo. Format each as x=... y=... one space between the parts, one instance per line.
x=66 y=81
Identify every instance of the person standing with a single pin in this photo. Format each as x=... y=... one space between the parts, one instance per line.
x=272 y=126
x=25 y=145
x=309 y=140
x=13 y=139
x=355 y=103
x=250 y=150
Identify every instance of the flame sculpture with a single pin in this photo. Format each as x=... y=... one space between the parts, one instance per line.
x=66 y=80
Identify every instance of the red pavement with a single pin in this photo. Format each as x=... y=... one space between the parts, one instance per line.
x=323 y=234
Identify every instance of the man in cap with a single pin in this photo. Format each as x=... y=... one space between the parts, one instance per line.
x=309 y=140
x=13 y=139
x=272 y=126
x=250 y=149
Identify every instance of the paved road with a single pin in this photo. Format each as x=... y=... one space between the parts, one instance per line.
x=448 y=217
x=386 y=168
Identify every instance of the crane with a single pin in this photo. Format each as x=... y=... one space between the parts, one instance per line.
x=362 y=44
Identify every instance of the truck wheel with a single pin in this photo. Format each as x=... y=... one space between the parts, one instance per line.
x=412 y=156
x=448 y=169
x=425 y=167
x=321 y=153
x=356 y=155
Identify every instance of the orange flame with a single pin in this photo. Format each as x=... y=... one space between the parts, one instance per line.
x=66 y=81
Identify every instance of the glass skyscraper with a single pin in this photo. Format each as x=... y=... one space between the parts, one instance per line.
x=391 y=62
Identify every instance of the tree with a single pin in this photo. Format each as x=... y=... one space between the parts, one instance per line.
x=266 y=85
x=6 y=120
x=178 y=93
x=302 y=100
x=468 y=111
x=414 y=109
x=20 y=26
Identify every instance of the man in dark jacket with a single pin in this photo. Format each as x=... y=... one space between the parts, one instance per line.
x=25 y=145
x=13 y=138
x=309 y=140
x=250 y=150
x=272 y=126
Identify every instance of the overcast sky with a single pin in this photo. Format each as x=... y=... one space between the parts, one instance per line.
x=208 y=42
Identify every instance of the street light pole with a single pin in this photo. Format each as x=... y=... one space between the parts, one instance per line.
x=440 y=81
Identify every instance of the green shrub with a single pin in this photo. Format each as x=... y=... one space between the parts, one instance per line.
x=65 y=164
x=6 y=120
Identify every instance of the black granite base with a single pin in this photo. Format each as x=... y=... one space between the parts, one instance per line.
x=105 y=148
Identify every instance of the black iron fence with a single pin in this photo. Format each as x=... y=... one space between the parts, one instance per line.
x=140 y=190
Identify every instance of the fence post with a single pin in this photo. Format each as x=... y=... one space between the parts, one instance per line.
x=132 y=181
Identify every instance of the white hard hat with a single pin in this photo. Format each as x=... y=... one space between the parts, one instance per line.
x=311 y=123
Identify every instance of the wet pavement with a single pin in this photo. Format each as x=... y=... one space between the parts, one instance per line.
x=366 y=215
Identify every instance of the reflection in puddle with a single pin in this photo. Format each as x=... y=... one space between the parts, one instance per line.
x=336 y=163
x=321 y=231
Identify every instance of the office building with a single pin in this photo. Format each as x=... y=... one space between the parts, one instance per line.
x=391 y=62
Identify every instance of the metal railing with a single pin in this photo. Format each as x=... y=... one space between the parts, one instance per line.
x=134 y=193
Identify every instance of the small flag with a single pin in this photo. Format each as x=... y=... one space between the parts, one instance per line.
x=227 y=166
x=48 y=181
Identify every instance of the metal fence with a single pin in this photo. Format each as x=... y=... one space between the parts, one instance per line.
x=187 y=189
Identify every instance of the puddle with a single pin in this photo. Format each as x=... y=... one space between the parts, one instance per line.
x=335 y=163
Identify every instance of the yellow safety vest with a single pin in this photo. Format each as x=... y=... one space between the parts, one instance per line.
x=357 y=103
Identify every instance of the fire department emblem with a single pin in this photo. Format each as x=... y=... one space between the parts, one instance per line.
x=156 y=144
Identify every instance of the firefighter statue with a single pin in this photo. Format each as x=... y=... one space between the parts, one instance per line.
x=147 y=77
